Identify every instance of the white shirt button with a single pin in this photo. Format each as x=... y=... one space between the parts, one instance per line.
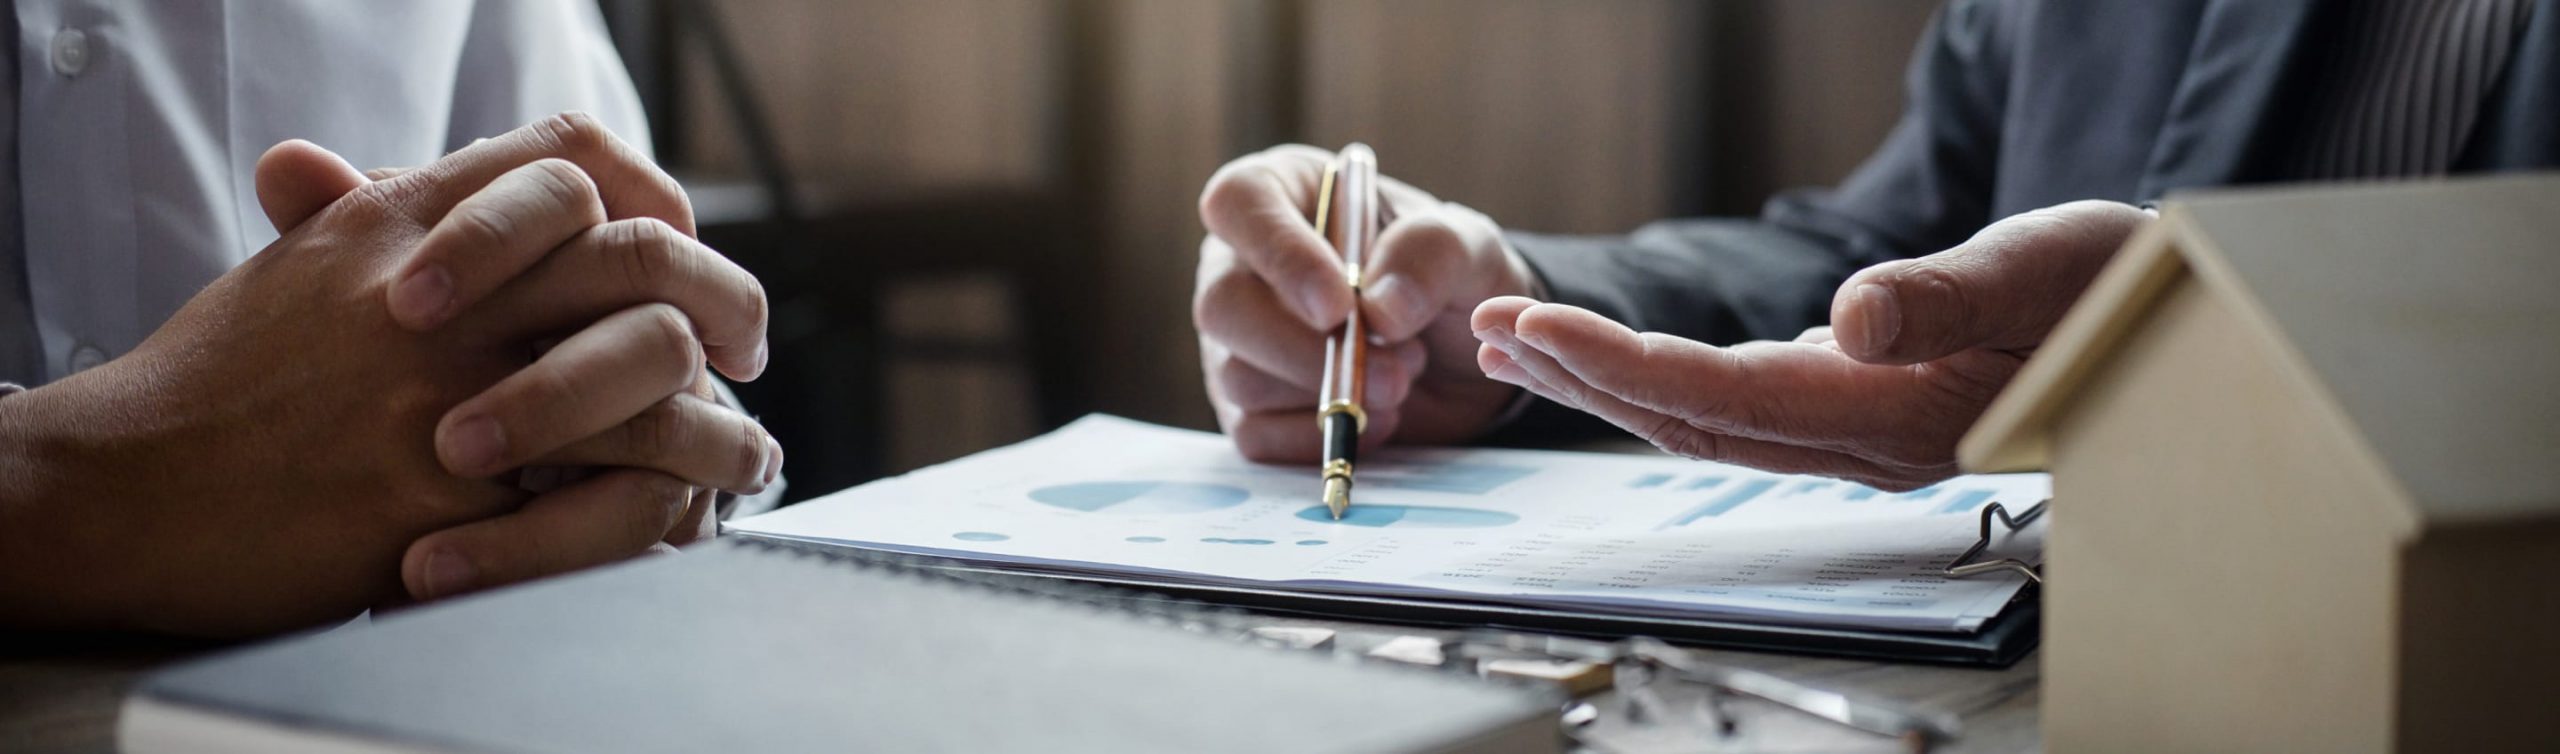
x=70 y=51
x=86 y=357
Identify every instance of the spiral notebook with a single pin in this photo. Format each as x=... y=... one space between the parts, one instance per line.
x=744 y=646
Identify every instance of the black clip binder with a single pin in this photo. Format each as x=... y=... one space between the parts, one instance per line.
x=1964 y=566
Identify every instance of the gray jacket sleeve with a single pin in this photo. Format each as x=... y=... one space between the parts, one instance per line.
x=1726 y=280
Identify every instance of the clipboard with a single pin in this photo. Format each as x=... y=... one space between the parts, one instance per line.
x=1999 y=643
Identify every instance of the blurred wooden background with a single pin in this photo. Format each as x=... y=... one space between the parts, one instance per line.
x=1085 y=129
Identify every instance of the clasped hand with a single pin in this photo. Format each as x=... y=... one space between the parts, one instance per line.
x=338 y=422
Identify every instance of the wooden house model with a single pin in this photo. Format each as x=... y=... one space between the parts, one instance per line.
x=2306 y=458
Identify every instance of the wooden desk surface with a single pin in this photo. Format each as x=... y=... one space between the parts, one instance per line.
x=61 y=694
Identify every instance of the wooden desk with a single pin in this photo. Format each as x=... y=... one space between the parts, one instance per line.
x=61 y=694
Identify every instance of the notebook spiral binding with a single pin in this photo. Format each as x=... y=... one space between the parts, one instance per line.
x=1963 y=566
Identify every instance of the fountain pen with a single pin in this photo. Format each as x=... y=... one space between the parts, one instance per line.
x=1347 y=217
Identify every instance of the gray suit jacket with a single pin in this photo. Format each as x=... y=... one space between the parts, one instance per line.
x=2016 y=105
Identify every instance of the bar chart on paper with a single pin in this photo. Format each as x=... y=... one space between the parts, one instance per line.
x=1724 y=495
x=1633 y=534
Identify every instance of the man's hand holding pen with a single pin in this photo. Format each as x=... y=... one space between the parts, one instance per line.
x=1271 y=289
x=1453 y=324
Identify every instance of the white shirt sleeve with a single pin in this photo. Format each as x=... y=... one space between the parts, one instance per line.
x=142 y=124
x=522 y=61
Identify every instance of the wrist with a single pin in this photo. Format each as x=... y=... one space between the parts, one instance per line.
x=56 y=538
x=31 y=452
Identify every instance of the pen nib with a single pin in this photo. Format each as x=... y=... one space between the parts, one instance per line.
x=1337 y=495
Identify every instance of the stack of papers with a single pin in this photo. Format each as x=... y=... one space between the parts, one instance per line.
x=1644 y=535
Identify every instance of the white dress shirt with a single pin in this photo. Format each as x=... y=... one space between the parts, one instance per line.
x=134 y=127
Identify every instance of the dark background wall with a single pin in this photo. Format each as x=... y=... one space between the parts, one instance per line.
x=998 y=195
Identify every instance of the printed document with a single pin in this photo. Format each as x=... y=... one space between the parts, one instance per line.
x=1589 y=532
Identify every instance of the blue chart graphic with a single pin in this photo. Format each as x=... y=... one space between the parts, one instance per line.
x=1146 y=540
x=1412 y=516
x=1704 y=482
x=1456 y=478
x=1966 y=501
x=1310 y=542
x=1141 y=497
x=1861 y=493
x=1741 y=493
x=1649 y=481
x=1226 y=541
x=980 y=536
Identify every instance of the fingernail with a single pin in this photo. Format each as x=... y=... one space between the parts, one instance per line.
x=1883 y=316
x=1311 y=304
x=474 y=445
x=1400 y=301
x=772 y=463
x=448 y=574
x=1501 y=340
x=1534 y=340
x=421 y=298
x=764 y=354
x=1510 y=373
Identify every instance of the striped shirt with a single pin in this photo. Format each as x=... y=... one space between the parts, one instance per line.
x=2399 y=92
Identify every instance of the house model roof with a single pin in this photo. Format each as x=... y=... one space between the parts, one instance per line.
x=2427 y=314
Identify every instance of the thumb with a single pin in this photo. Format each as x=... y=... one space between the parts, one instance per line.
x=2004 y=288
x=1259 y=205
x=297 y=178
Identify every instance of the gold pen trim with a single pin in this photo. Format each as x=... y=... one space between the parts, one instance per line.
x=1337 y=487
x=1359 y=417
